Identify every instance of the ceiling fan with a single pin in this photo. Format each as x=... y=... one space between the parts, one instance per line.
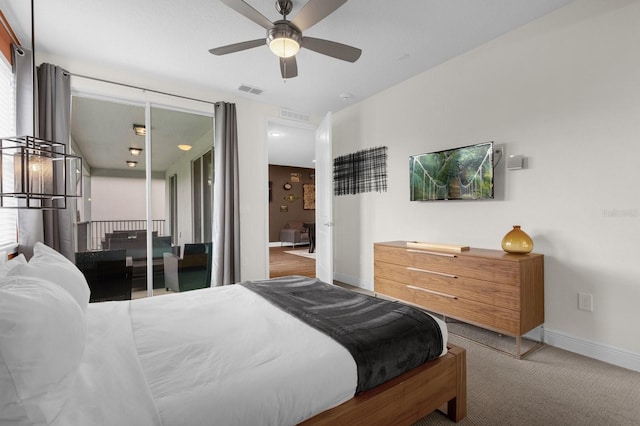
x=285 y=38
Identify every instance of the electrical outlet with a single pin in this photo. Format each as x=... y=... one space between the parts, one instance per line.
x=585 y=302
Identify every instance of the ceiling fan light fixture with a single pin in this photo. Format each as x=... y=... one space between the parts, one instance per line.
x=284 y=47
x=284 y=40
x=284 y=37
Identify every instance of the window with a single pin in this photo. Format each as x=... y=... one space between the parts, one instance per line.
x=8 y=217
x=202 y=175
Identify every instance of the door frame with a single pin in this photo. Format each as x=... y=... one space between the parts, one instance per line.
x=311 y=127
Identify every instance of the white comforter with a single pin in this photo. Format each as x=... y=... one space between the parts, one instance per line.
x=218 y=356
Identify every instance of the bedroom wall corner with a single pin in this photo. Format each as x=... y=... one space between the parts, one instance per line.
x=562 y=91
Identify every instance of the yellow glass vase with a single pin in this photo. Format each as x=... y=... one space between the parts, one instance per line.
x=517 y=241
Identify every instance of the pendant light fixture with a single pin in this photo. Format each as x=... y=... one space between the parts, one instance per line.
x=37 y=172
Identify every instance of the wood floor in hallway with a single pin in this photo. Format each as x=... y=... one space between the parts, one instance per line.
x=282 y=264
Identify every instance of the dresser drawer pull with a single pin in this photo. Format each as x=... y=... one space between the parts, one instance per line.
x=426 y=271
x=436 y=253
x=437 y=293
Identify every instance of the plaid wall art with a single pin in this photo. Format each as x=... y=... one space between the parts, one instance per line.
x=362 y=171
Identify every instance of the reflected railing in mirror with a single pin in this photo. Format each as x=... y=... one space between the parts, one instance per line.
x=97 y=229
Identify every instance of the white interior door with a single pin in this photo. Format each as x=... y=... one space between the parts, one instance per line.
x=324 y=201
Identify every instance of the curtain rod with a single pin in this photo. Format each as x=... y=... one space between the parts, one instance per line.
x=140 y=88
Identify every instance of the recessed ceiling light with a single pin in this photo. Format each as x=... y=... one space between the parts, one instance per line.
x=132 y=163
x=135 y=151
x=139 y=129
x=184 y=147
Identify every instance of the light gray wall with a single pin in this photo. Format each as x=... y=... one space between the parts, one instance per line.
x=564 y=91
x=124 y=198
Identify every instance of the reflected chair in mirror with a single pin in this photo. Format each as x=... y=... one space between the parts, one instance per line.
x=191 y=271
x=106 y=273
x=136 y=249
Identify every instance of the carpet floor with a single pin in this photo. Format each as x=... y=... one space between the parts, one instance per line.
x=549 y=387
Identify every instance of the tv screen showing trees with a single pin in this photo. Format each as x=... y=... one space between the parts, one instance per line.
x=464 y=173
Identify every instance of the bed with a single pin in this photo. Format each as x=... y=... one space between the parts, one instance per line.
x=224 y=356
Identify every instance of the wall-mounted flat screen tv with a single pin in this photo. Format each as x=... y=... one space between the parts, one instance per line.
x=464 y=173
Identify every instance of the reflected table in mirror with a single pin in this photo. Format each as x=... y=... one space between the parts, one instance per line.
x=311 y=226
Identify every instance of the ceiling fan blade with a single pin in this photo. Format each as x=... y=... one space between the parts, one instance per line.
x=289 y=67
x=331 y=48
x=315 y=11
x=249 y=12
x=237 y=47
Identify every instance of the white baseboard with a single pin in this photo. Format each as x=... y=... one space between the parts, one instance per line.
x=279 y=244
x=348 y=279
x=605 y=353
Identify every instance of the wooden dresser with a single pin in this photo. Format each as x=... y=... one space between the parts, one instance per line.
x=489 y=288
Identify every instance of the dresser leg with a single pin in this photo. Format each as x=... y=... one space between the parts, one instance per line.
x=518 y=347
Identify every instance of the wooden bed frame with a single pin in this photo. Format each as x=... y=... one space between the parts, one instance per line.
x=409 y=397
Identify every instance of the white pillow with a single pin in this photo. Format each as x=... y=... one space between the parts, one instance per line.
x=48 y=264
x=42 y=339
x=10 y=264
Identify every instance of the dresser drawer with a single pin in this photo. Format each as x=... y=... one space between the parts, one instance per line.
x=499 y=294
x=482 y=268
x=497 y=318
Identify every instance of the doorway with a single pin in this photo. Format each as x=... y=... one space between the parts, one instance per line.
x=291 y=169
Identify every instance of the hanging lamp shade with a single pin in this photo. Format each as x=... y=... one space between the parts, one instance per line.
x=30 y=171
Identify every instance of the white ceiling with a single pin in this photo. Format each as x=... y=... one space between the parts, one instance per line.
x=143 y=41
x=291 y=145
x=103 y=131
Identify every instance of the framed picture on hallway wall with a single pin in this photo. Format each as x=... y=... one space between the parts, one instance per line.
x=309 y=196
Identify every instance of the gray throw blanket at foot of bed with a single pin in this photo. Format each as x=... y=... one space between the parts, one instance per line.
x=385 y=338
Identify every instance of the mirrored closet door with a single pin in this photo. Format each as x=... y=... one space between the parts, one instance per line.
x=135 y=223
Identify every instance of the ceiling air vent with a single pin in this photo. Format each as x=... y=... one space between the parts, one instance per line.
x=248 y=89
x=293 y=115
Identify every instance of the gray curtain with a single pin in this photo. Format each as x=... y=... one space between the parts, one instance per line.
x=226 y=206
x=53 y=227
x=30 y=226
x=54 y=120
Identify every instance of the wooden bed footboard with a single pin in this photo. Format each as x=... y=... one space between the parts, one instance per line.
x=409 y=397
